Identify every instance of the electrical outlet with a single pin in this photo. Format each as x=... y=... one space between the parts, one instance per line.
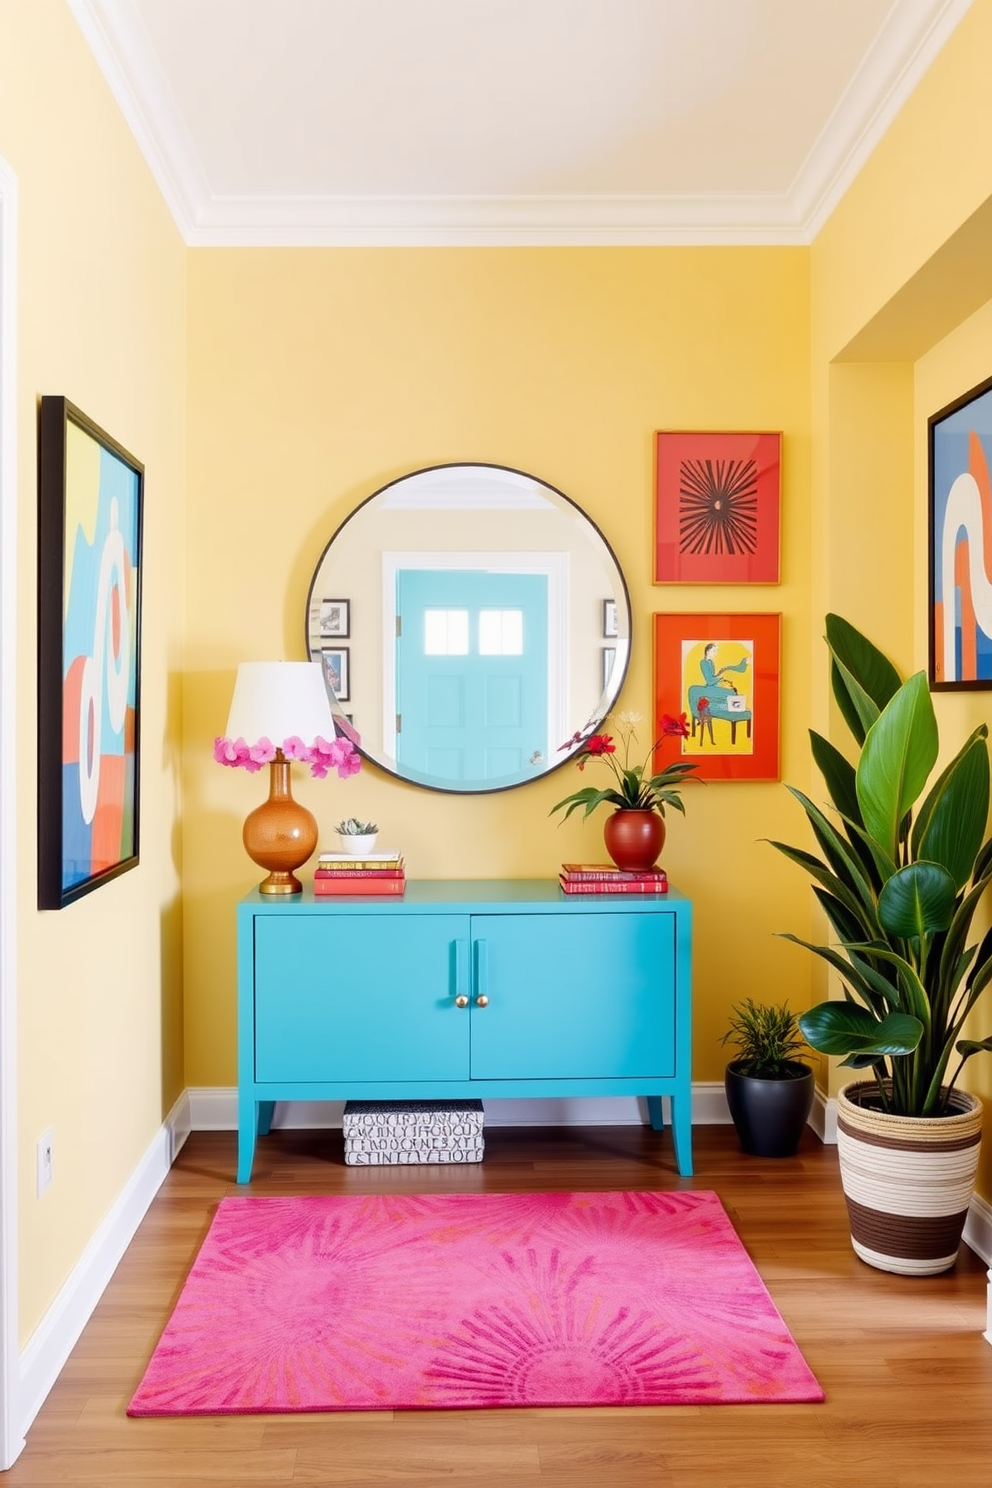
x=46 y=1144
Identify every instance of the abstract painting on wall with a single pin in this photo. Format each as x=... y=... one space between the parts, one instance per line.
x=717 y=500
x=960 y=447
x=89 y=674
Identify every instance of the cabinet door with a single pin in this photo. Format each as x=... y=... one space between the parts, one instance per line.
x=575 y=996
x=361 y=997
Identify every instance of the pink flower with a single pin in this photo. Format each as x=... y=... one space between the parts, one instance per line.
x=262 y=752
x=295 y=749
x=335 y=754
x=233 y=752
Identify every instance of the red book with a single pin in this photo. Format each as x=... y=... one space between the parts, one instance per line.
x=603 y=873
x=337 y=886
x=342 y=873
x=602 y=886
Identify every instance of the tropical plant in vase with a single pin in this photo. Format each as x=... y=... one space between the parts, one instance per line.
x=903 y=865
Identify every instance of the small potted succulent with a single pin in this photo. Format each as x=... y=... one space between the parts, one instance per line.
x=769 y=1085
x=356 y=837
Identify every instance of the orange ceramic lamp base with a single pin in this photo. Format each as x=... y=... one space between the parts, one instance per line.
x=280 y=834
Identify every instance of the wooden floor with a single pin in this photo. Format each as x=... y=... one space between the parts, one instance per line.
x=907 y=1373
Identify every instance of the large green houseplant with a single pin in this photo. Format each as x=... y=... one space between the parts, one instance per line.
x=903 y=864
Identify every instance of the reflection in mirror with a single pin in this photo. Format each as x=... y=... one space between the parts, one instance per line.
x=469 y=618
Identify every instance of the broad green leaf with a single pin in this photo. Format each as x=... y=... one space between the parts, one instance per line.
x=844 y=1028
x=857 y=708
x=821 y=874
x=851 y=974
x=899 y=752
x=967 y=1047
x=846 y=927
x=840 y=856
x=951 y=823
x=913 y=997
x=917 y=901
x=838 y=774
x=863 y=679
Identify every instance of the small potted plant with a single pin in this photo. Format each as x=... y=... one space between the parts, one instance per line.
x=769 y=1085
x=356 y=837
x=635 y=832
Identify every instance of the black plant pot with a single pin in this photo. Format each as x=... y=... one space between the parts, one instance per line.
x=769 y=1114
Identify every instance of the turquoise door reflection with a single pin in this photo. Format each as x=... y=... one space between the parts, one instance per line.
x=471 y=674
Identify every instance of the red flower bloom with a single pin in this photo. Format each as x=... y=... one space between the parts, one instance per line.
x=600 y=744
x=678 y=726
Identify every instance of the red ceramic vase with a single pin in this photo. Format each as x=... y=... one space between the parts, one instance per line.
x=634 y=839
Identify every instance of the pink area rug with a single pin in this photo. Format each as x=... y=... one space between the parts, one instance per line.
x=383 y=1302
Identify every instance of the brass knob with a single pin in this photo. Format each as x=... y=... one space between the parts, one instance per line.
x=482 y=1000
x=461 y=1001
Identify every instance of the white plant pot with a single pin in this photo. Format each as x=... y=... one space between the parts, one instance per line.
x=355 y=846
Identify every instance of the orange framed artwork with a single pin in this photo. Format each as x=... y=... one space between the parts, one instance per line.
x=717 y=507
x=719 y=674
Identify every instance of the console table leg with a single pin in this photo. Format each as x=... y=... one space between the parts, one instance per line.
x=248 y=1111
x=265 y=1109
x=656 y=1112
x=682 y=1133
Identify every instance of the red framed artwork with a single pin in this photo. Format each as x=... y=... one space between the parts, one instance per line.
x=717 y=501
x=722 y=673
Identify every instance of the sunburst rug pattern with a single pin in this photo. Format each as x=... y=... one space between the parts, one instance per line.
x=442 y=1301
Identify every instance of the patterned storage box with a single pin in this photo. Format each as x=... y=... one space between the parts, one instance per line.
x=412 y=1132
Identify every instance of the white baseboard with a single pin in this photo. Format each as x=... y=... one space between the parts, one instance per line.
x=823 y=1118
x=50 y=1345
x=215 y=1108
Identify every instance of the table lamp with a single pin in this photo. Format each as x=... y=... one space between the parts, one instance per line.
x=285 y=701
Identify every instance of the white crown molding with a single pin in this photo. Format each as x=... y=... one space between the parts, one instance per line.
x=493 y=221
x=115 y=36
x=913 y=35
x=905 y=48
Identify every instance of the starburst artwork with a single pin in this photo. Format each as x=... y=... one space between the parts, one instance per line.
x=718 y=504
x=717 y=500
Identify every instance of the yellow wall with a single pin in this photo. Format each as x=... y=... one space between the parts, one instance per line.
x=308 y=379
x=316 y=376
x=102 y=321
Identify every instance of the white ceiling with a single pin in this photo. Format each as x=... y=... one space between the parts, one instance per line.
x=509 y=121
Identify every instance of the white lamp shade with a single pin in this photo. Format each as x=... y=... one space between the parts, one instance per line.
x=277 y=700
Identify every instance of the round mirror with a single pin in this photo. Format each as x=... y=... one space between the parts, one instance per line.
x=469 y=619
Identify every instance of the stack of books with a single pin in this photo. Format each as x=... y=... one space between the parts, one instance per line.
x=604 y=878
x=367 y=873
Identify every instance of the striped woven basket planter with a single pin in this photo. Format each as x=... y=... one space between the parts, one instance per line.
x=908 y=1180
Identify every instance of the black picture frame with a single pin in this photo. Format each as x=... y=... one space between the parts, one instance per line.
x=611 y=627
x=90 y=514
x=336 y=662
x=334 y=619
x=959 y=459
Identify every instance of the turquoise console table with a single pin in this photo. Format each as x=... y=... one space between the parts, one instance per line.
x=464 y=989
